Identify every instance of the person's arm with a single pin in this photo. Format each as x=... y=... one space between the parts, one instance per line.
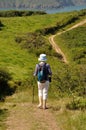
x=36 y=70
x=49 y=69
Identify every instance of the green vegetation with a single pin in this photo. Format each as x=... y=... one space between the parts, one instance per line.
x=71 y=120
x=1 y=25
x=3 y=115
x=22 y=39
x=33 y=41
x=77 y=103
x=75 y=42
x=15 y=13
x=63 y=22
x=5 y=87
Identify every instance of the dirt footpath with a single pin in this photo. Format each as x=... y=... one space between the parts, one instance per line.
x=26 y=116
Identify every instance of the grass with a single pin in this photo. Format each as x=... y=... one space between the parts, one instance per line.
x=73 y=44
x=3 y=116
x=21 y=64
x=28 y=24
x=20 y=25
x=67 y=119
x=17 y=60
x=71 y=120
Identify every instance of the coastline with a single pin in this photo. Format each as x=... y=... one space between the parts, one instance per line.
x=50 y=11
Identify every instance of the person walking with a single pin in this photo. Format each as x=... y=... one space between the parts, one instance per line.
x=44 y=73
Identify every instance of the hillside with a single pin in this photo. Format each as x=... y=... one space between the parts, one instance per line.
x=78 y=56
x=40 y=4
x=22 y=39
x=74 y=41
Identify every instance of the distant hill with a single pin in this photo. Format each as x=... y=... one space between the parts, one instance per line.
x=39 y=4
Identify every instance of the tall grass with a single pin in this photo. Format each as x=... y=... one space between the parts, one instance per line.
x=71 y=120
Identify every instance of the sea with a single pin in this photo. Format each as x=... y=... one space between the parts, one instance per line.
x=66 y=9
x=53 y=11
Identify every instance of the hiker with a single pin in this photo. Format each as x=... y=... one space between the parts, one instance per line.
x=43 y=82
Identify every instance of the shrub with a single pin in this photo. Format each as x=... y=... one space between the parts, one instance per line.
x=70 y=79
x=18 y=39
x=5 y=88
x=76 y=104
x=81 y=52
x=1 y=25
x=14 y=13
x=36 y=43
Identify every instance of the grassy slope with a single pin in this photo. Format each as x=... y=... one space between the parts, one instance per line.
x=15 y=59
x=73 y=44
x=12 y=56
x=21 y=63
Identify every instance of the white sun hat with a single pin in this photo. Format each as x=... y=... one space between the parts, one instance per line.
x=42 y=57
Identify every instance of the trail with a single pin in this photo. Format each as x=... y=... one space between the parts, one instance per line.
x=55 y=45
x=26 y=116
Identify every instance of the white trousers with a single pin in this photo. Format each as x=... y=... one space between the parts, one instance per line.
x=43 y=89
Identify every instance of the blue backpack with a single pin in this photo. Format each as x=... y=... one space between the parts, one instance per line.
x=42 y=73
